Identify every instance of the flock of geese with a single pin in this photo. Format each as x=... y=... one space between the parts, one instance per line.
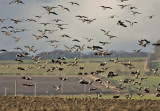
x=96 y=49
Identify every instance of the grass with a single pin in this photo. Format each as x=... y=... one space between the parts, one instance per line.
x=149 y=82
x=91 y=65
x=108 y=96
x=69 y=70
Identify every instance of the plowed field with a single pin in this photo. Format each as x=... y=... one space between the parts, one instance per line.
x=20 y=103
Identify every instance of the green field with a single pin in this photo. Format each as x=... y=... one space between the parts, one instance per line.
x=110 y=96
x=91 y=65
x=9 y=67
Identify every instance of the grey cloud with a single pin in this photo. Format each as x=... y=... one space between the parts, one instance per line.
x=127 y=37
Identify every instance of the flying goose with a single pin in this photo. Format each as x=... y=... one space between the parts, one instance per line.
x=61 y=28
x=22 y=30
x=19 y=60
x=19 y=1
x=99 y=95
x=30 y=48
x=146 y=89
x=55 y=46
x=22 y=55
x=7 y=27
x=76 y=57
x=122 y=0
x=105 y=32
x=16 y=1
x=92 y=89
x=62 y=58
x=63 y=8
x=156 y=44
x=81 y=16
x=57 y=20
x=43 y=32
x=116 y=96
x=139 y=94
x=37 y=36
x=122 y=6
x=26 y=78
x=45 y=24
x=104 y=7
x=103 y=63
x=111 y=74
x=69 y=49
x=21 y=68
x=80 y=47
x=112 y=36
x=64 y=35
x=27 y=85
x=114 y=60
x=85 y=82
x=121 y=23
x=50 y=31
x=129 y=96
x=88 y=39
x=3 y=50
x=131 y=8
x=18 y=48
x=52 y=13
x=16 y=21
x=149 y=17
x=103 y=43
x=34 y=51
x=63 y=78
x=103 y=53
x=15 y=31
x=51 y=69
x=74 y=3
x=76 y=40
x=131 y=23
x=143 y=42
x=157 y=94
x=6 y=33
x=134 y=12
x=112 y=16
x=48 y=8
x=2 y=20
x=137 y=51
x=16 y=39
x=31 y=20
x=6 y=65
x=154 y=71
x=52 y=41
x=82 y=67
x=156 y=88
x=88 y=20
x=39 y=16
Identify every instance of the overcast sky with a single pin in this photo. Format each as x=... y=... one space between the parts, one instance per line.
x=127 y=38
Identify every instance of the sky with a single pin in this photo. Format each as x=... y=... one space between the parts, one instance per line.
x=127 y=37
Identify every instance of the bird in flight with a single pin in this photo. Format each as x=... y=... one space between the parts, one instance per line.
x=105 y=32
x=131 y=23
x=149 y=17
x=104 y=7
x=64 y=8
x=74 y=3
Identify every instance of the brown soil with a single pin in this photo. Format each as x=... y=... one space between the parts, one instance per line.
x=26 y=103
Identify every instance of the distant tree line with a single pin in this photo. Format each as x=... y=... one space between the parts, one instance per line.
x=70 y=55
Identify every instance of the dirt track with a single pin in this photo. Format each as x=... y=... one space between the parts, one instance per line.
x=11 y=103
